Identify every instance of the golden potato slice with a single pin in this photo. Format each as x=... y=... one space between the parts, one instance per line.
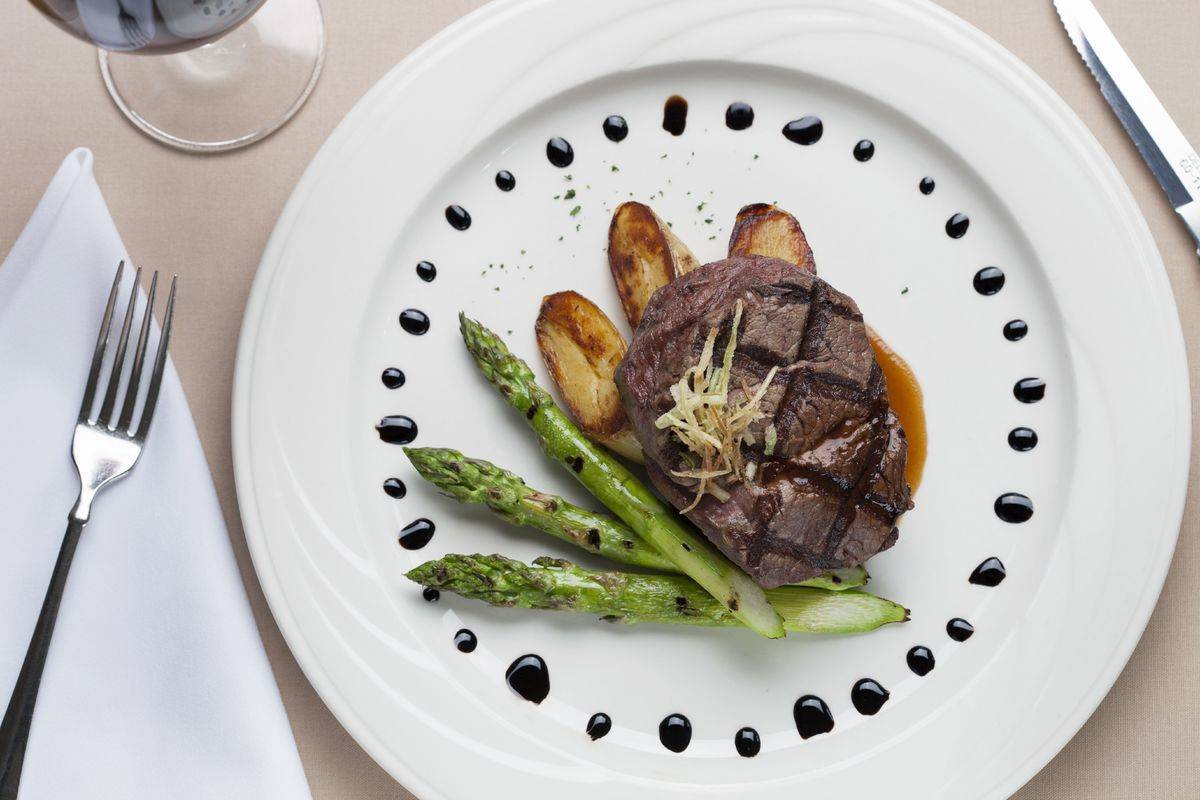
x=762 y=229
x=643 y=255
x=582 y=348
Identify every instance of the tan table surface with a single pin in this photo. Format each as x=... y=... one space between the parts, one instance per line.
x=173 y=211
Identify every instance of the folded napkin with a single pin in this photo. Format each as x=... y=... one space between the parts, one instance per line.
x=156 y=685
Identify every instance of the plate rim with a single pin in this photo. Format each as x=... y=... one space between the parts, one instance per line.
x=1034 y=89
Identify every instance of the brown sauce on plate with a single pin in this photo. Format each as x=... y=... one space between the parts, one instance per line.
x=906 y=399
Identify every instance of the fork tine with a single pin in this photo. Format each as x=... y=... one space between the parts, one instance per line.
x=139 y=358
x=89 y=390
x=160 y=363
x=114 y=379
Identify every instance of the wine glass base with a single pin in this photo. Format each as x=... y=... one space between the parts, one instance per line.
x=227 y=94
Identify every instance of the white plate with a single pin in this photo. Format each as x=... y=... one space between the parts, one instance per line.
x=1107 y=477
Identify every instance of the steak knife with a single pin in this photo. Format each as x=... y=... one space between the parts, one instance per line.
x=1163 y=147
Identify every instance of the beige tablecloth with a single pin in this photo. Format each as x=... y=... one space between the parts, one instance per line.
x=209 y=217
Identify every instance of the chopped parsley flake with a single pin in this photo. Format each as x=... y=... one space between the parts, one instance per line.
x=570 y=195
x=615 y=168
x=576 y=210
x=904 y=290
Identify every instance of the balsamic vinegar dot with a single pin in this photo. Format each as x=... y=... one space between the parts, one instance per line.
x=599 y=726
x=868 y=696
x=738 y=117
x=397 y=429
x=1022 y=439
x=920 y=660
x=959 y=629
x=812 y=716
x=1013 y=507
x=1015 y=330
x=615 y=128
x=864 y=150
x=675 y=732
x=529 y=677
x=458 y=217
x=560 y=152
x=956 y=226
x=465 y=641
x=806 y=130
x=417 y=534
x=395 y=488
x=675 y=115
x=747 y=742
x=1029 y=390
x=414 y=321
x=431 y=595
x=989 y=573
x=926 y=185
x=426 y=271
x=392 y=378
x=505 y=181
x=989 y=280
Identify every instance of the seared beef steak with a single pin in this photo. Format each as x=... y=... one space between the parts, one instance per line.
x=829 y=494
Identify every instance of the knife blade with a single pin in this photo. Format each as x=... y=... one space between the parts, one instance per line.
x=1163 y=146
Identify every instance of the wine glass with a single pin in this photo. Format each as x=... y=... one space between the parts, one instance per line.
x=201 y=75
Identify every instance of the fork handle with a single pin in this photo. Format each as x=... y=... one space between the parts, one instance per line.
x=14 y=731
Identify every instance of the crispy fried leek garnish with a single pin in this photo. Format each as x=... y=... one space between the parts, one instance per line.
x=709 y=425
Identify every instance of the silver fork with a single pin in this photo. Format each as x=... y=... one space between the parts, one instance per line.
x=104 y=449
x=136 y=37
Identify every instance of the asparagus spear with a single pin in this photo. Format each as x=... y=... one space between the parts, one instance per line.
x=615 y=486
x=471 y=480
x=556 y=584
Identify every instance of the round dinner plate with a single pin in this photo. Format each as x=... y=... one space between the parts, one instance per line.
x=938 y=100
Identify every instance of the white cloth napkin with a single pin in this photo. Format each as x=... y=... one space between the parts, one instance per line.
x=156 y=685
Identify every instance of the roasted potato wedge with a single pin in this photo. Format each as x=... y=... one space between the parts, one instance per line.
x=582 y=348
x=762 y=229
x=643 y=255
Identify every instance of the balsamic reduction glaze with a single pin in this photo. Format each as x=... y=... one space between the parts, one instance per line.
x=395 y=488
x=1022 y=439
x=560 y=152
x=959 y=629
x=989 y=573
x=505 y=181
x=1029 y=390
x=675 y=115
x=806 y=130
x=417 y=534
x=397 y=429
x=392 y=378
x=465 y=641
x=1013 y=507
x=675 y=732
x=920 y=660
x=414 y=321
x=747 y=742
x=529 y=677
x=616 y=128
x=1015 y=330
x=956 y=226
x=738 y=117
x=600 y=724
x=458 y=217
x=868 y=696
x=426 y=271
x=812 y=716
x=431 y=595
x=864 y=150
x=989 y=280
x=926 y=185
